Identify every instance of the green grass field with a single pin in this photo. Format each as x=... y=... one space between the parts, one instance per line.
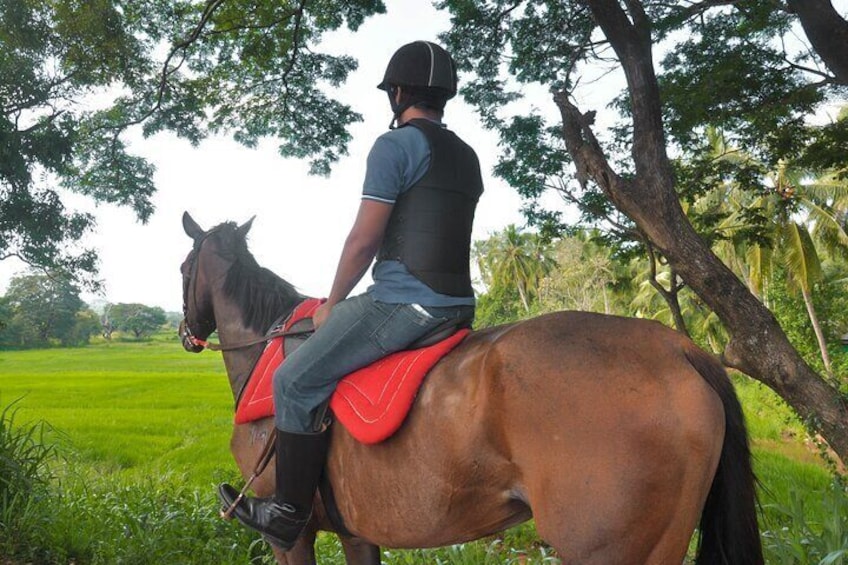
x=137 y=409
x=148 y=417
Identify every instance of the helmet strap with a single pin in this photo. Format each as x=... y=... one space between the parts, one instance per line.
x=407 y=100
x=399 y=107
x=396 y=112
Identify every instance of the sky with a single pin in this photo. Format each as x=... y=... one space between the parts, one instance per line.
x=301 y=220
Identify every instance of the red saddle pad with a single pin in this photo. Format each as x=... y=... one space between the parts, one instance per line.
x=257 y=399
x=371 y=402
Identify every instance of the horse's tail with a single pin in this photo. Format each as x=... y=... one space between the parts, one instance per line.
x=729 y=531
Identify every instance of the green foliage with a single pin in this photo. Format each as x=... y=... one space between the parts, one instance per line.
x=99 y=520
x=497 y=551
x=56 y=53
x=760 y=221
x=513 y=260
x=24 y=477
x=498 y=306
x=798 y=539
x=823 y=150
x=139 y=320
x=76 y=76
x=587 y=277
x=43 y=309
x=830 y=297
x=729 y=71
x=768 y=418
x=86 y=325
x=156 y=519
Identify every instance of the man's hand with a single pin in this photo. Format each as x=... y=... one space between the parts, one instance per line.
x=321 y=314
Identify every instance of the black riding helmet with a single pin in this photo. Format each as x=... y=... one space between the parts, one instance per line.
x=426 y=74
x=421 y=64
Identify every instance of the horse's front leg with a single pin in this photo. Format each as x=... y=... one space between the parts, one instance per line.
x=303 y=552
x=359 y=552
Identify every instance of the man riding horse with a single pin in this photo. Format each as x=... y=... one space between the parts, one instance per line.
x=421 y=188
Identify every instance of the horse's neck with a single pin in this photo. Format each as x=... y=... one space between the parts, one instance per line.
x=238 y=362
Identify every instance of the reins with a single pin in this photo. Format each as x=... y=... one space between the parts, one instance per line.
x=188 y=337
x=242 y=344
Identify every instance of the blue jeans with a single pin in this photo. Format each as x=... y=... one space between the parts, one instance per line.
x=357 y=332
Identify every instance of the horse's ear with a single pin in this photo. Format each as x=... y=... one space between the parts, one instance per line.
x=191 y=228
x=245 y=227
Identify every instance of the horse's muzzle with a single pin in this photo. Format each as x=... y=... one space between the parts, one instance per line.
x=188 y=339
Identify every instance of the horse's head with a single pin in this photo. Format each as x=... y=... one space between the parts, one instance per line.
x=206 y=265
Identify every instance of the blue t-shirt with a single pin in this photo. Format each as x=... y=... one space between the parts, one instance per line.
x=398 y=160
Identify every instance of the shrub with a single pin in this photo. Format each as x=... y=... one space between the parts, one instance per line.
x=24 y=479
x=799 y=540
x=156 y=520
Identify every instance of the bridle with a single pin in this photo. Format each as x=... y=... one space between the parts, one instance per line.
x=189 y=338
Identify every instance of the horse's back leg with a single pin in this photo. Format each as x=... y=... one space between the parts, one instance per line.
x=618 y=446
x=608 y=524
x=359 y=552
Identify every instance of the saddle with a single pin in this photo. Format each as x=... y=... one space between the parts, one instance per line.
x=372 y=402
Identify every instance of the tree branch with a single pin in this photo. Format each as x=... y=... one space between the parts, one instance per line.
x=623 y=229
x=671 y=296
x=583 y=146
x=699 y=8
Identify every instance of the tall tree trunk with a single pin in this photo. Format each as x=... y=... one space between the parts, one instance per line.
x=827 y=32
x=758 y=346
x=814 y=320
x=523 y=295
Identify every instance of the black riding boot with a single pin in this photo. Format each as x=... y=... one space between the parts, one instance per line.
x=281 y=518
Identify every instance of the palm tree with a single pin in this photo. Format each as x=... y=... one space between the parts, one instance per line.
x=801 y=211
x=514 y=259
x=583 y=277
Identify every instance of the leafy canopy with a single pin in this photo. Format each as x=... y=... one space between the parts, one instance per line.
x=742 y=66
x=76 y=76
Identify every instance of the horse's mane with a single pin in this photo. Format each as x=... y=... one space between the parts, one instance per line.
x=263 y=296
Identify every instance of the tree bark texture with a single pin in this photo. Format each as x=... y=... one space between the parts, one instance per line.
x=827 y=32
x=758 y=346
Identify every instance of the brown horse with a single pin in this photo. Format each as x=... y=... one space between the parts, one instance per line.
x=618 y=436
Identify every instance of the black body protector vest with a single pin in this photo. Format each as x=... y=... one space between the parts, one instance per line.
x=429 y=229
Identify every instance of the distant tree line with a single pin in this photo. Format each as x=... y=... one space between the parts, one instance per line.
x=45 y=310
